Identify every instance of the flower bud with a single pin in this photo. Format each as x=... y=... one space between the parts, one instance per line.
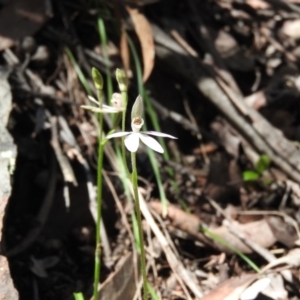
x=98 y=80
x=137 y=108
x=122 y=80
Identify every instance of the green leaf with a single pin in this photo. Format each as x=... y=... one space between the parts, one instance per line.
x=250 y=175
x=262 y=164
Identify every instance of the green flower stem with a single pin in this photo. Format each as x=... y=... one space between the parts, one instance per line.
x=139 y=220
x=78 y=296
x=78 y=71
x=154 y=120
x=97 y=268
x=124 y=101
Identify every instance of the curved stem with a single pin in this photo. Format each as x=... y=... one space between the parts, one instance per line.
x=139 y=221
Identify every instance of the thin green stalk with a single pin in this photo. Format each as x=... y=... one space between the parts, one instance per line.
x=125 y=100
x=78 y=296
x=109 y=85
x=152 y=292
x=97 y=268
x=123 y=87
x=220 y=240
x=103 y=39
x=139 y=219
x=78 y=71
x=124 y=176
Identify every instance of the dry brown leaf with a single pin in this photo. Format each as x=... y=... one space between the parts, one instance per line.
x=291 y=28
x=191 y=224
x=253 y=230
x=121 y=284
x=124 y=52
x=180 y=219
x=20 y=18
x=258 y=4
x=284 y=230
x=276 y=289
x=292 y=258
x=232 y=288
x=252 y=291
x=144 y=32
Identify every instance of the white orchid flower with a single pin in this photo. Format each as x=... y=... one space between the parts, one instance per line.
x=132 y=138
x=115 y=108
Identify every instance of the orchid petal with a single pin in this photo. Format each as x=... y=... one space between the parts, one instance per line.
x=132 y=142
x=159 y=134
x=105 y=109
x=117 y=134
x=111 y=108
x=151 y=143
x=137 y=108
x=93 y=100
x=92 y=108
